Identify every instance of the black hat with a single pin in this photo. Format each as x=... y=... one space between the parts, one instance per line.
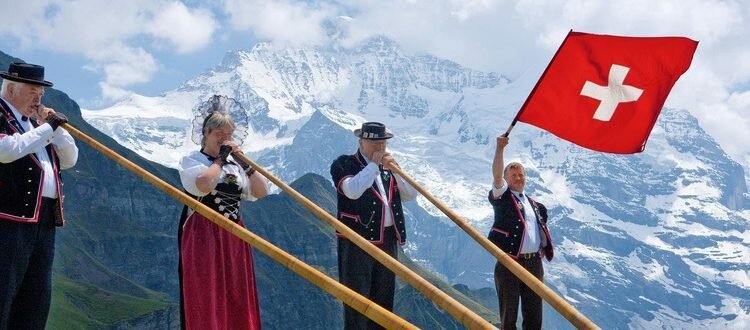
x=26 y=73
x=372 y=131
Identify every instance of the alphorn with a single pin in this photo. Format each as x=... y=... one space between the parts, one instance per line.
x=563 y=307
x=468 y=318
x=356 y=301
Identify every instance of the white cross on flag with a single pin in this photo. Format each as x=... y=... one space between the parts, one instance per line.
x=605 y=92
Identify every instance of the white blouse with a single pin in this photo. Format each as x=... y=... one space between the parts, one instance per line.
x=194 y=164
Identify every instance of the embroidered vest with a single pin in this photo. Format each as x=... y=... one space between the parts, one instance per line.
x=509 y=227
x=21 y=180
x=366 y=215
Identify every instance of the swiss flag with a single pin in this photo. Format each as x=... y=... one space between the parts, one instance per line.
x=605 y=92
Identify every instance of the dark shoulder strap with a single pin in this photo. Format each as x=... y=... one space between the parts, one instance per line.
x=5 y=109
x=10 y=118
x=4 y=124
x=4 y=106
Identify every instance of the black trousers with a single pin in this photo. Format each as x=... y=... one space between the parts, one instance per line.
x=26 y=253
x=365 y=275
x=510 y=289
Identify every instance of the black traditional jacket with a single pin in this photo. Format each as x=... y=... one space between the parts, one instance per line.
x=21 y=181
x=509 y=228
x=366 y=215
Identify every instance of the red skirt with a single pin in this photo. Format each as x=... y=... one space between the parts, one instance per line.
x=217 y=276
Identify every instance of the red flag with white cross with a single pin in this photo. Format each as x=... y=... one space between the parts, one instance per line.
x=605 y=92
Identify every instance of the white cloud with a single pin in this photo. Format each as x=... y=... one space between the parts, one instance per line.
x=464 y=9
x=109 y=33
x=482 y=34
x=186 y=29
x=130 y=66
x=284 y=22
x=112 y=92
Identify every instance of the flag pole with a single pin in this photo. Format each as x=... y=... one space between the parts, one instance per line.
x=533 y=90
x=356 y=301
x=468 y=318
x=579 y=320
x=563 y=307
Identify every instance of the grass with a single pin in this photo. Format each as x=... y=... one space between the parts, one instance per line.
x=77 y=305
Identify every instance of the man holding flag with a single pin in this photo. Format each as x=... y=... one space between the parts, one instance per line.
x=600 y=92
x=520 y=230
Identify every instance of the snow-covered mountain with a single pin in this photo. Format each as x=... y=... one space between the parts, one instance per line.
x=658 y=239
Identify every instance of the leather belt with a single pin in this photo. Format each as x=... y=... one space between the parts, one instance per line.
x=527 y=256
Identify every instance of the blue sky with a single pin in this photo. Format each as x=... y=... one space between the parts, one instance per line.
x=70 y=75
x=102 y=51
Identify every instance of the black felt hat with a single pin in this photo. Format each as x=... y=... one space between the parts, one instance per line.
x=372 y=131
x=26 y=73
